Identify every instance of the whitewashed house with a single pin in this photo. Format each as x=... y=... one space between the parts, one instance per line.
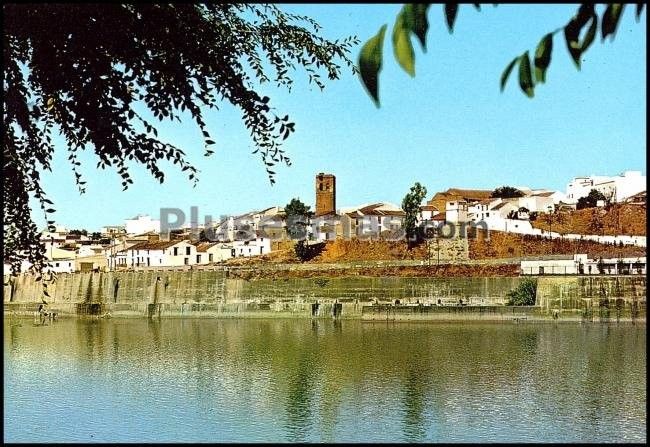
x=503 y=209
x=57 y=260
x=210 y=252
x=245 y=226
x=540 y=202
x=616 y=188
x=480 y=210
x=327 y=227
x=158 y=254
x=371 y=221
x=142 y=223
x=457 y=211
x=257 y=247
x=427 y=212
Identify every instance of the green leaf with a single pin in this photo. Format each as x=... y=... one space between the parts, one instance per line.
x=543 y=57
x=370 y=59
x=572 y=32
x=610 y=19
x=571 y=36
x=506 y=72
x=402 y=47
x=525 y=76
x=591 y=33
x=415 y=18
x=451 y=9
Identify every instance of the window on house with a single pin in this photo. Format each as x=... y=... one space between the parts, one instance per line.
x=232 y=253
x=56 y=264
x=186 y=261
x=487 y=214
x=198 y=259
x=210 y=257
x=260 y=250
x=175 y=251
x=187 y=250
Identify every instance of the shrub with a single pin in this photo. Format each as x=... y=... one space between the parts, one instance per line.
x=306 y=252
x=524 y=294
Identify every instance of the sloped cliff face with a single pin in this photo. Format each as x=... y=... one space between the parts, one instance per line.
x=212 y=293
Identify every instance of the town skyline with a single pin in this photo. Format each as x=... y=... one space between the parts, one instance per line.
x=579 y=123
x=308 y=199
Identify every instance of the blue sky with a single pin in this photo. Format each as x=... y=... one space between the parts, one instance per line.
x=450 y=126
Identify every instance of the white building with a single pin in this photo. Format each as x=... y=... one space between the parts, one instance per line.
x=246 y=225
x=541 y=202
x=616 y=188
x=158 y=254
x=480 y=210
x=142 y=223
x=427 y=212
x=209 y=252
x=456 y=211
x=324 y=227
x=257 y=247
x=111 y=231
x=57 y=260
x=503 y=209
x=371 y=221
x=579 y=264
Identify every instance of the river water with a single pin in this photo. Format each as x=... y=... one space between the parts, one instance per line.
x=209 y=380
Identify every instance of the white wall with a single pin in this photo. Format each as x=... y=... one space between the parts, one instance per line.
x=142 y=224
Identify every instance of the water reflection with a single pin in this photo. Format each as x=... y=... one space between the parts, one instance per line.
x=300 y=380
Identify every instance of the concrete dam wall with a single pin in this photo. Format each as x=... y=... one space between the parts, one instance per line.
x=212 y=293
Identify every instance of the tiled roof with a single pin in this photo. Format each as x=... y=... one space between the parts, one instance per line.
x=202 y=247
x=499 y=206
x=373 y=210
x=470 y=193
x=544 y=194
x=154 y=245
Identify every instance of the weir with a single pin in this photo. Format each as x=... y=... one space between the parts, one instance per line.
x=212 y=293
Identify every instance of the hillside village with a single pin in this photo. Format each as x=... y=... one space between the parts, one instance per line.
x=544 y=218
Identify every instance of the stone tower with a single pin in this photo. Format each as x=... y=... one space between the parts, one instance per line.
x=325 y=194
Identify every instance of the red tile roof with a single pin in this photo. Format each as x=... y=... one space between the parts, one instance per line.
x=154 y=245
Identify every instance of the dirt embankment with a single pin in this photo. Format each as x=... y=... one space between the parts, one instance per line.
x=510 y=245
x=615 y=220
x=443 y=270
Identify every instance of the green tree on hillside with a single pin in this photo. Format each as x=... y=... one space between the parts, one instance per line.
x=506 y=192
x=297 y=208
x=297 y=215
x=591 y=200
x=411 y=206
